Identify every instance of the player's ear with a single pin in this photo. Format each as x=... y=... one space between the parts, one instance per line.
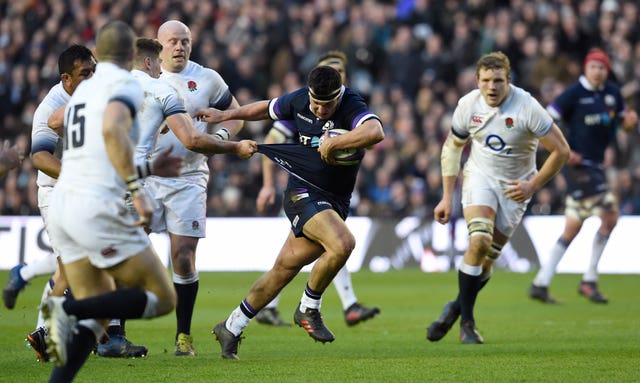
x=65 y=77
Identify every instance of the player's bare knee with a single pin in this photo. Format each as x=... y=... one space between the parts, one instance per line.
x=343 y=245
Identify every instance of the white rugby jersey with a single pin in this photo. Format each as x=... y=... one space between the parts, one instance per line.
x=504 y=138
x=86 y=167
x=161 y=100
x=200 y=88
x=43 y=138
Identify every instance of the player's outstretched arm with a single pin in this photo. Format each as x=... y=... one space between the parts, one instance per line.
x=255 y=111
x=193 y=139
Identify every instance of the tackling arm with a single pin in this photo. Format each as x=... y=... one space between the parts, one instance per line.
x=192 y=139
x=255 y=111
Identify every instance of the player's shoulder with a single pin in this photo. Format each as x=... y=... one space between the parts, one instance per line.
x=469 y=102
x=193 y=69
x=155 y=86
x=470 y=98
x=56 y=97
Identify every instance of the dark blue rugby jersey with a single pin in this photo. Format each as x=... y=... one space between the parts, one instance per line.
x=591 y=116
x=306 y=130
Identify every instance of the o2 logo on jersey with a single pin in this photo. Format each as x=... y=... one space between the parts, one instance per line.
x=192 y=86
x=496 y=143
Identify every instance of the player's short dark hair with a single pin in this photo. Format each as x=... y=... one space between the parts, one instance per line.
x=324 y=81
x=69 y=56
x=146 y=47
x=494 y=60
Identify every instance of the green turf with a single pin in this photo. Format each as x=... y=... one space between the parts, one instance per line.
x=526 y=341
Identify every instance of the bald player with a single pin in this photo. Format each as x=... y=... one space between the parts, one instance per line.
x=182 y=200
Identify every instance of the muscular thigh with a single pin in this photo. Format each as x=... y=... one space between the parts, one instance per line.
x=303 y=204
x=85 y=280
x=142 y=270
x=325 y=228
x=298 y=252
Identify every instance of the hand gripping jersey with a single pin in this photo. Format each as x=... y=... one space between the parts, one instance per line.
x=302 y=159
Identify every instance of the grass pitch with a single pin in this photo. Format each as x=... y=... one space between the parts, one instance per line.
x=526 y=341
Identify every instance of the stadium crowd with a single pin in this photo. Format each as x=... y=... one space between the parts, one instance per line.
x=411 y=59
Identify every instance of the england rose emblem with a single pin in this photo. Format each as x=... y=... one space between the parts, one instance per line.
x=192 y=86
x=508 y=122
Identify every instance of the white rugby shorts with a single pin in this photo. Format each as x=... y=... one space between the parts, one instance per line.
x=180 y=206
x=101 y=229
x=481 y=190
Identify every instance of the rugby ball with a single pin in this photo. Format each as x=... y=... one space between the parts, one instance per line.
x=344 y=156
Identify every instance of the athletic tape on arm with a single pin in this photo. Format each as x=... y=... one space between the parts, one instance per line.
x=450 y=156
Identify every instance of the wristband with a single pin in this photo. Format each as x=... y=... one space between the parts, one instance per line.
x=144 y=170
x=133 y=185
x=223 y=134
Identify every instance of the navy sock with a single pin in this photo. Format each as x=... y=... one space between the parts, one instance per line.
x=125 y=303
x=186 y=302
x=468 y=287
x=456 y=303
x=77 y=353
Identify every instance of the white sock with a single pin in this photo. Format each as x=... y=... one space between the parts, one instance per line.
x=309 y=303
x=548 y=270
x=343 y=285
x=151 y=308
x=237 y=321
x=273 y=304
x=599 y=242
x=46 y=292
x=43 y=266
x=470 y=270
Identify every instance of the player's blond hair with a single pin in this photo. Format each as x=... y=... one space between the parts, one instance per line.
x=494 y=60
